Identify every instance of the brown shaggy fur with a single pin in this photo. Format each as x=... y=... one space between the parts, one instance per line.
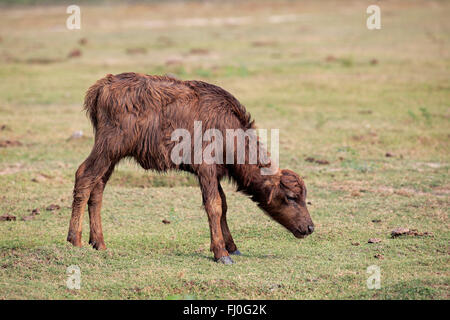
x=134 y=116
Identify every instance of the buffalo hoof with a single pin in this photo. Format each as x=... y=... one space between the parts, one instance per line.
x=236 y=253
x=225 y=260
x=98 y=245
x=74 y=239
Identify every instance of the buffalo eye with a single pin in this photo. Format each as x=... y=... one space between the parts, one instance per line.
x=291 y=198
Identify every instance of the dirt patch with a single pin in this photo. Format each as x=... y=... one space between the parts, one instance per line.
x=41 y=177
x=53 y=207
x=370 y=137
x=75 y=53
x=318 y=161
x=442 y=190
x=397 y=232
x=10 y=143
x=434 y=165
x=7 y=217
x=330 y=58
x=405 y=192
x=14 y=168
x=355 y=194
x=374 y=240
x=33 y=214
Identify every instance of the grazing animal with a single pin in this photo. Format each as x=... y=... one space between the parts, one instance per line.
x=134 y=115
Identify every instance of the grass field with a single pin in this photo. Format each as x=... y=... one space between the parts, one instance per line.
x=374 y=104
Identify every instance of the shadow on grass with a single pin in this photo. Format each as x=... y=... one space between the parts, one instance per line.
x=210 y=256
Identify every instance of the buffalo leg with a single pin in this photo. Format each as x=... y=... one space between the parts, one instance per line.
x=87 y=176
x=94 y=207
x=229 y=242
x=213 y=206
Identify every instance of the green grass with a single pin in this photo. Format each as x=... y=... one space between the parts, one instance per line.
x=344 y=109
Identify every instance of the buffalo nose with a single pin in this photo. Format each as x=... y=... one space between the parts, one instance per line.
x=311 y=229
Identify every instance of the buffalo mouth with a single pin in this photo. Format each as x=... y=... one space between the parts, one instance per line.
x=299 y=234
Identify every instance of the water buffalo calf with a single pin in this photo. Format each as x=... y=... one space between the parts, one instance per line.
x=134 y=115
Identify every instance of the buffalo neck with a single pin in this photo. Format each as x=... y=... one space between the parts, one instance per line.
x=251 y=181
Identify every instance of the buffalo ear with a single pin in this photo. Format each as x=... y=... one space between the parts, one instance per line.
x=291 y=180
